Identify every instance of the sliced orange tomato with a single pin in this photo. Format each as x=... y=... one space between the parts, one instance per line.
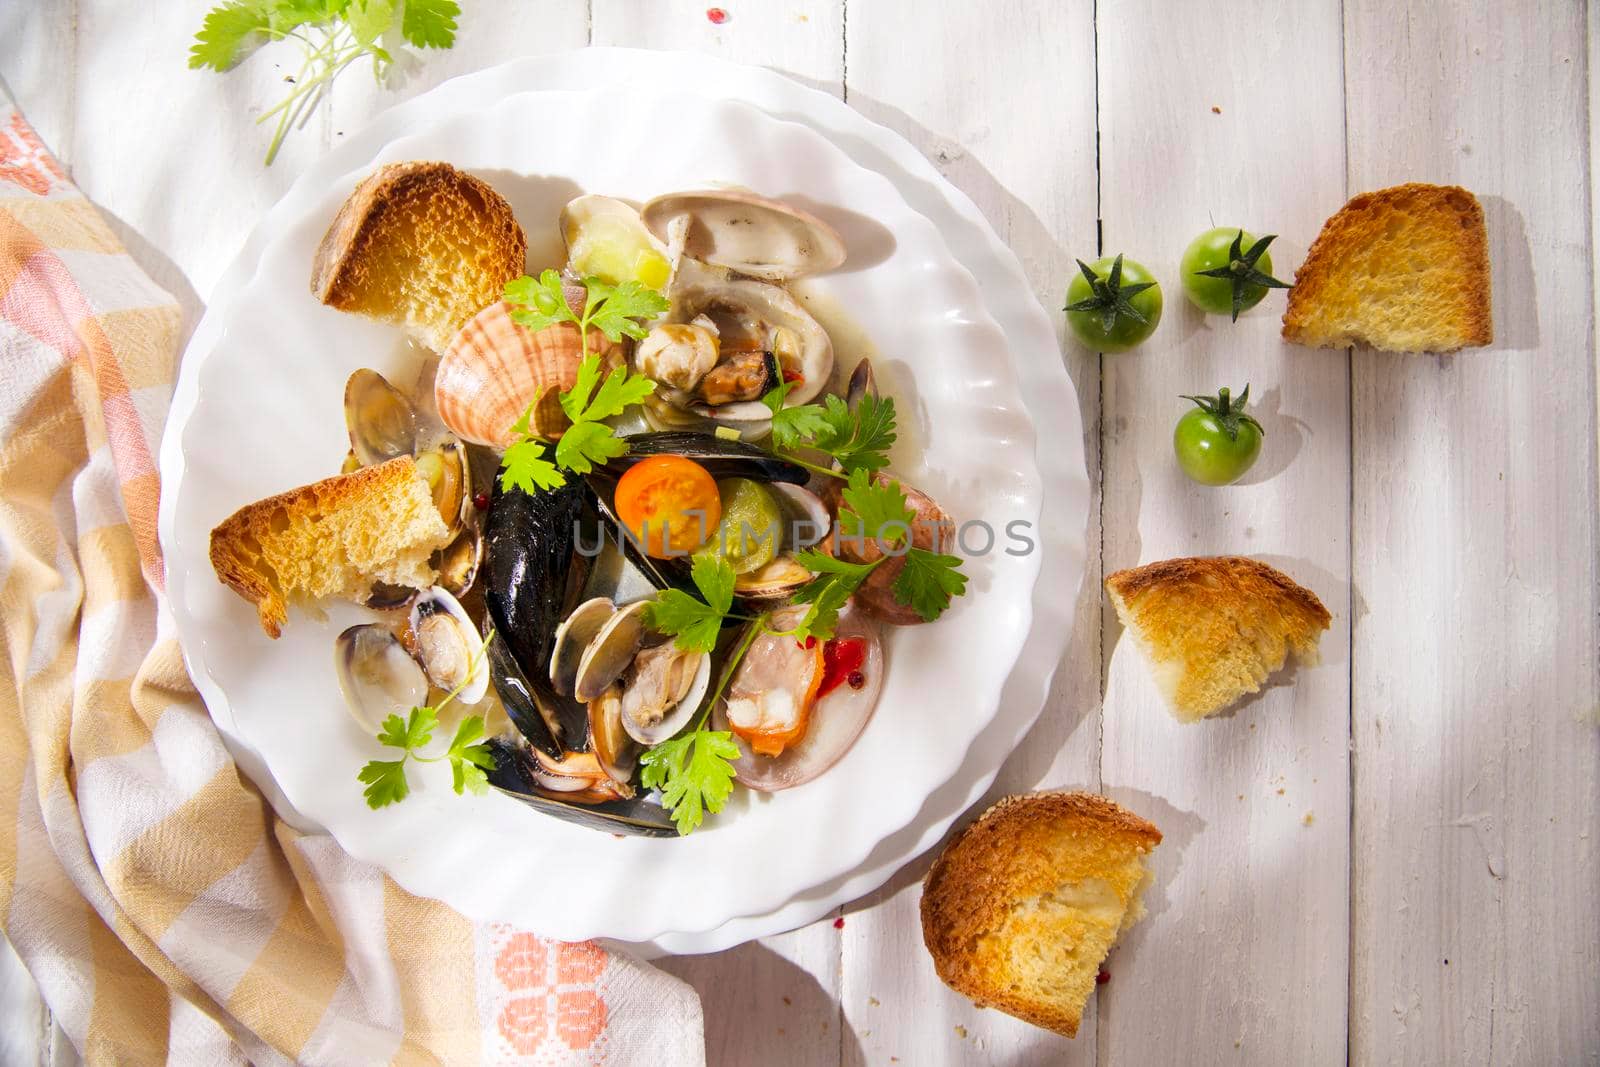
x=670 y=504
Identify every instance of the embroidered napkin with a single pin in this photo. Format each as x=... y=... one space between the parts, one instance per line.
x=166 y=913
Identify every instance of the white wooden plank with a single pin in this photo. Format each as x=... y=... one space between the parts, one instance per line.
x=774 y=1001
x=801 y=38
x=951 y=85
x=1228 y=114
x=37 y=55
x=1477 y=767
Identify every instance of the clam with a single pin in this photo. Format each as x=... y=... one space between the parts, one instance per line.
x=770 y=700
x=615 y=751
x=495 y=369
x=381 y=421
x=442 y=638
x=661 y=691
x=862 y=383
x=754 y=316
x=606 y=239
x=679 y=354
x=608 y=654
x=525 y=773
x=449 y=477
x=573 y=638
x=377 y=675
x=744 y=232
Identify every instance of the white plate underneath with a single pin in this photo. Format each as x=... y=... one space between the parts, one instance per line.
x=263 y=379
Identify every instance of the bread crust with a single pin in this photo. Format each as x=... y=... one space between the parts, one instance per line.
x=340 y=267
x=233 y=537
x=1360 y=222
x=1130 y=582
x=996 y=861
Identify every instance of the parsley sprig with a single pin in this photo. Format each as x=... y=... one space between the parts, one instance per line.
x=333 y=34
x=469 y=758
x=615 y=310
x=856 y=439
x=696 y=623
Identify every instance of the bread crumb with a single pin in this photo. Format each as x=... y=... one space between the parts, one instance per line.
x=961 y=1032
x=1308 y=818
x=1215 y=110
x=786 y=1000
x=874 y=1001
x=1280 y=790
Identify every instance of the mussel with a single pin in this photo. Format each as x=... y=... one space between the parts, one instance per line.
x=524 y=773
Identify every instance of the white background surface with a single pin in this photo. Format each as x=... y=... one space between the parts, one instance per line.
x=1429 y=794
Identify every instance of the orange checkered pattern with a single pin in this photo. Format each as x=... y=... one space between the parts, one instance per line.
x=167 y=914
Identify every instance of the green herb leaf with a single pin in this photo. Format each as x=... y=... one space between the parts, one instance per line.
x=369 y=20
x=412 y=732
x=524 y=466
x=928 y=582
x=793 y=427
x=621 y=391
x=538 y=302
x=469 y=760
x=835 y=582
x=430 y=23
x=616 y=316
x=576 y=399
x=385 y=781
x=587 y=445
x=696 y=624
x=229 y=33
x=874 y=511
x=694 y=773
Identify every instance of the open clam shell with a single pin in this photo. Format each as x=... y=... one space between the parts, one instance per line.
x=609 y=652
x=377 y=676
x=573 y=638
x=805 y=523
x=744 y=232
x=495 y=368
x=661 y=691
x=442 y=638
x=381 y=421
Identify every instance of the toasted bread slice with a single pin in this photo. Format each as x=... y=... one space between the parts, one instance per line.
x=1021 y=908
x=1213 y=629
x=422 y=245
x=1403 y=270
x=333 y=538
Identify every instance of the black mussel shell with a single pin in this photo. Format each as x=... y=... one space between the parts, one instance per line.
x=638 y=817
x=722 y=458
x=531 y=571
x=545 y=718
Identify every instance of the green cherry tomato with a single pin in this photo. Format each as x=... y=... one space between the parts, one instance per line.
x=1217 y=441
x=1226 y=271
x=1118 y=309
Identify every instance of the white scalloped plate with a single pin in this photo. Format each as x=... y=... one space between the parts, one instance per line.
x=266 y=372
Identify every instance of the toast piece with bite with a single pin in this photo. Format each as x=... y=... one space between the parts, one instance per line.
x=1404 y=269
x=1021 y=908
x=333 y=538
x=1214 y=628
x=422 y=245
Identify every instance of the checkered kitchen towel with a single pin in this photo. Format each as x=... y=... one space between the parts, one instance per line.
x=164 y=910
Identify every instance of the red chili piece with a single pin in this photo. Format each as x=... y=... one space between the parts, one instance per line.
x=842 y=659
x=838 y=924
x=1103 y=977
x=716 y=15
x=481 y=501
x=793 y=376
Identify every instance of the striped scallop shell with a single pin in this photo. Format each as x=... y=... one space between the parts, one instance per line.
x=494 y=368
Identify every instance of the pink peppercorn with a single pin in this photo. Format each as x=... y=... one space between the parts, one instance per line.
x=716 y=15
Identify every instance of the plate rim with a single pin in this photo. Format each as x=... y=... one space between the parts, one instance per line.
x=312 y=185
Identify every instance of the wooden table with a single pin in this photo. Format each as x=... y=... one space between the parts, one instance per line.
x=1394 y=857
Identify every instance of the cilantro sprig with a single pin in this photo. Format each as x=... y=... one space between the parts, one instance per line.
x=615 y=310
x=469 y=758
x=332 y=35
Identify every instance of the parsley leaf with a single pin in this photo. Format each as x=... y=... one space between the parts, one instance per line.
x=620 y=391
x=587 y=445
x=694 y=773
x=386 y=782
x=430 y=23
x=619 y=308
x=857 y=438
x=229 y=34
x=696 y=623
x=874 y=511
x=836 y=580
x=414 y=731
x=369 y=20
x=538 y=302
x=928 y=582
x=468 y=760
x=793 y=427
x=524 y=467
